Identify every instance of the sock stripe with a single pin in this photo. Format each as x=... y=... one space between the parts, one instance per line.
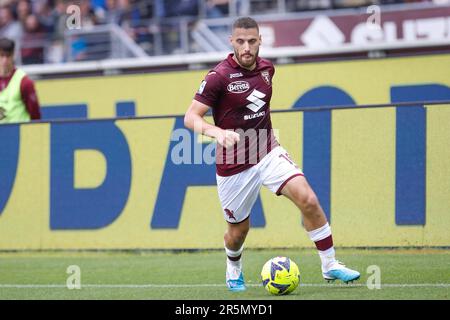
x=320 y=233
x=325 y=243
x=232 y=253
x=234 y=258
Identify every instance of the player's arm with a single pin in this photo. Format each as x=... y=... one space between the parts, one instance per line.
x=30 y=99
x=194 y=120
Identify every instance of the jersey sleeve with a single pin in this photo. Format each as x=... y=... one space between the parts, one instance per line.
x=210 y=89
x=29 y=97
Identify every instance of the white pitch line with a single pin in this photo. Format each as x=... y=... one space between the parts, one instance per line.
x=145 y=286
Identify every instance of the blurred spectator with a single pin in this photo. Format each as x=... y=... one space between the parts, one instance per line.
x=88 y=17
x=112 y=12
x=131 y=18
x=55 y=19
x=9 y=27
x=217 y=8
x=130 y=15
x=23 y=10
x=98 y=5
x=49 y=15
x=176 y=8
x=32 y=50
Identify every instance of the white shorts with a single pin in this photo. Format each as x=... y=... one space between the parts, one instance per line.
x=238 y=193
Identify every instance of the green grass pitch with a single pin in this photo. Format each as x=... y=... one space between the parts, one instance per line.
x=405 y=274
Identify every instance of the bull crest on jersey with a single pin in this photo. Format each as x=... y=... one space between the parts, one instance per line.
x=266 y=76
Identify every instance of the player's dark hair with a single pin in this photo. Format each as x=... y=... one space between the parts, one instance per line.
x=7 y=46
x=245 y=23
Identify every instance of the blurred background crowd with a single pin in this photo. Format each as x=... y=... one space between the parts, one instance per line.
x=39 y=26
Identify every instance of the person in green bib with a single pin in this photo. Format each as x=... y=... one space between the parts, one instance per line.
x=18 y=99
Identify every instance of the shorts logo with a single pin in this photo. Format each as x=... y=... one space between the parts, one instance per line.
x=238 y=86
x=266 y=77
x=230 y=214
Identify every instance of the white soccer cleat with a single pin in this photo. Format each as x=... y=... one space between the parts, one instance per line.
x=339 y=271
x=237 y=284
x=235 y=278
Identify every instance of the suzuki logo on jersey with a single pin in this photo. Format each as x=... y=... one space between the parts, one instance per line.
x=255 y=115
x=238 y=87
x=255 y=99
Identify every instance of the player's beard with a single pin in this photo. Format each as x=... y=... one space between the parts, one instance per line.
x=243 y=64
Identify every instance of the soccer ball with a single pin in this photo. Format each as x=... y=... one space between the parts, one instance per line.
x=280 y=276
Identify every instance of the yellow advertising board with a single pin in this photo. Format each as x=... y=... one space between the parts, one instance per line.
x=381 y=174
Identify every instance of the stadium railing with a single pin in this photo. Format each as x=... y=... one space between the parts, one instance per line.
x=204 y=60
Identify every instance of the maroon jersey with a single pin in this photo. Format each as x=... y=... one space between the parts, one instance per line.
x=240 y=101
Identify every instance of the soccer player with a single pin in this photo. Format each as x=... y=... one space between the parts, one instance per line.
x=18 y=99
x=238 y=91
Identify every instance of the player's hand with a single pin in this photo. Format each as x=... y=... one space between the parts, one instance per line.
x=228 y=138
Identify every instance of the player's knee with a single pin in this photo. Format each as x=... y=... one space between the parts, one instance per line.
x=240 y=235
x=237 y=235
x=309 y=203
x=234 y=242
